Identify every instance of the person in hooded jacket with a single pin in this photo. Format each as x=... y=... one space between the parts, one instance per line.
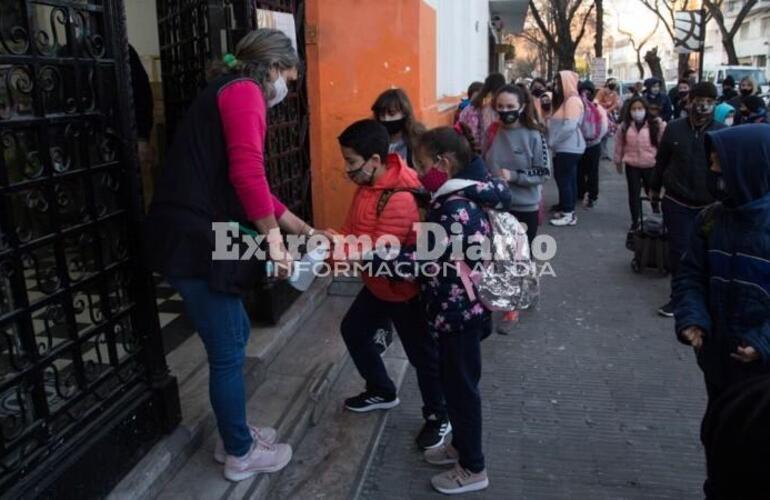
x=728 y=89
x=753 y=110
x=657 y=99
x=681 y=168
x=747 y=88
x=567 y=143
x=462 y=189
x=721 y=293
x=725 y=114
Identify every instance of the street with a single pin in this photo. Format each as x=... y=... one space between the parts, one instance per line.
x=591 y=398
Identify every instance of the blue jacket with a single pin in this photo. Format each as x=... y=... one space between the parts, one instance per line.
x=723 y=285
x=448 y=306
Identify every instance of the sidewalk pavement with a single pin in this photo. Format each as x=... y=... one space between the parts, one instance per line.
x=590 y=398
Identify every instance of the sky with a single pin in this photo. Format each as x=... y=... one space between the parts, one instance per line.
x=629 y=15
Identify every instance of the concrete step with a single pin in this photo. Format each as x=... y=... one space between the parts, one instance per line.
x=292 y=397
x=332 y=458
x=188 y=363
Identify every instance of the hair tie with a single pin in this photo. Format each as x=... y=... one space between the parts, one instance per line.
x=230 y=60
x=458 y=128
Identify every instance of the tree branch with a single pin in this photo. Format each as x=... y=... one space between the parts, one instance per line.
x=741 y=16
x=655 y=9
x=583 y=27
x=540 y=24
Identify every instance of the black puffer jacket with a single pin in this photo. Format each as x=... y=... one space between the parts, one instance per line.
x=681 y=165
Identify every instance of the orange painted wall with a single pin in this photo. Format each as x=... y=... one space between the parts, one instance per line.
x=355 y=50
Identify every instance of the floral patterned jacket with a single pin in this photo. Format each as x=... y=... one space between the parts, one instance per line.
x=460 y=212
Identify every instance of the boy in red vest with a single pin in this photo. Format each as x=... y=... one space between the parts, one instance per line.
x=385 y=204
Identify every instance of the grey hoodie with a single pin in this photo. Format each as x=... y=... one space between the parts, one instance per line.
x=524 y=153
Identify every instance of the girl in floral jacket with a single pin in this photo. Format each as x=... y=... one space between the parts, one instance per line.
x=462 y=188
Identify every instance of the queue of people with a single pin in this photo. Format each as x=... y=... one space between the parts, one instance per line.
x=507 y=141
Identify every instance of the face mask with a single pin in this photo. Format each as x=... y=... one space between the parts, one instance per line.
x=703 y=109
x=281 y=91
x=355 y=175
x=717 y=188
x=394 y=126
x=546 y=106
x=639 y=116
x=433 y=179
x=538 y=92
x=683 y=93
x=612 y=86
x=746 y=92
x=509 y=117
x=729 y=121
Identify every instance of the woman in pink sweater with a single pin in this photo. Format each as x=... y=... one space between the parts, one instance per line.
x=636 y=147
x=215 y=176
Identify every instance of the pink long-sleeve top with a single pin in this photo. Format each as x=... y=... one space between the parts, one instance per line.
x=243 y=111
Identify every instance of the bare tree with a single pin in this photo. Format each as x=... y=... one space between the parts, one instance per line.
x=665 y=10
x=653 y=61
x=569 y=18
x=599 y=33
x=533 y=36
x=728 y=34
x=639 y=45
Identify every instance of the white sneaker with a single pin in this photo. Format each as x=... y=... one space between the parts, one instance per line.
x=265 y=434
x=261 y=458
x=566 y=219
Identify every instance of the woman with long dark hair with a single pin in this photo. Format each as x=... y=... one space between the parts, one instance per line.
x=635 y=148
x=214 y=177
x=481 y=114
x=394 y=110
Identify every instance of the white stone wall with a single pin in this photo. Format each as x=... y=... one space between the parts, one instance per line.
x=142 y=27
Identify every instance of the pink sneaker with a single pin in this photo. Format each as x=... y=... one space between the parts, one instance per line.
x=265 y=434
x=261 y=458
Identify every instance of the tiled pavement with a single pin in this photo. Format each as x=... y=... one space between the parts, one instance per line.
x=591 y=398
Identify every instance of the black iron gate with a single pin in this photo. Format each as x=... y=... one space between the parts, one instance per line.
x=84 y=388
x=191 y=33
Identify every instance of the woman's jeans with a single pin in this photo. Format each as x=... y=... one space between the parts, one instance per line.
x=565 y=172
x=223 y=325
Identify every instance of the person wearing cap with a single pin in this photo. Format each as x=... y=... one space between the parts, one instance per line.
x=721 y=296
x=681 y=170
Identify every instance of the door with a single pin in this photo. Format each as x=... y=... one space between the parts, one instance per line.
x=83 y=382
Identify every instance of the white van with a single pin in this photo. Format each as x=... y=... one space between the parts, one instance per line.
x=718 y=74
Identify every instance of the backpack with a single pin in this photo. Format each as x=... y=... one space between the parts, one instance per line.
x=509 y=281
x=593 y=125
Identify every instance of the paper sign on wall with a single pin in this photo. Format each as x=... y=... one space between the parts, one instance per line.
x=281 y=21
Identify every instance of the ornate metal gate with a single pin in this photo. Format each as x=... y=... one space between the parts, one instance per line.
x=83 y=382
x=192 y=32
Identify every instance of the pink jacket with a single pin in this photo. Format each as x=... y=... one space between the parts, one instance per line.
x=634 y=147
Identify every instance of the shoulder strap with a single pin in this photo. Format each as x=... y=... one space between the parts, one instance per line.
x=421 y=196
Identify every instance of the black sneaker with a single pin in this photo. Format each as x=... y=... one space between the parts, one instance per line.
x=369 y=401
x=667 y=310
x=433 y=432
x=590 y=203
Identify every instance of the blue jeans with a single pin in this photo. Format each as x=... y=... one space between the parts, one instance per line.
x=565 y=172
x=224 y=327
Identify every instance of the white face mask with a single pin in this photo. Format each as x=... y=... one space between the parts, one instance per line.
x=639 y=115
x=729 y=121
x=281 y=91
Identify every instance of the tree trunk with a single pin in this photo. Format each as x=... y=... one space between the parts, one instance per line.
x=732 y=55
x=653 y=61
x=599 y=40
x=639 y=64
x=566 y=55
x=684 y=65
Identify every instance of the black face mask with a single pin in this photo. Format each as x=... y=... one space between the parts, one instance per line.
x=509 y=117
x=683 y=93
x=394 y=126
x=612 y=86
x=715 y=183
x=546 y=106
x=538 y=92
x=746 y=92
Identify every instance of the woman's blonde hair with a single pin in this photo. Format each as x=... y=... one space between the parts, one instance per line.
x=255 y=55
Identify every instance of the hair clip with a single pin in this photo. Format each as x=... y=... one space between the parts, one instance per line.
x=230 y=60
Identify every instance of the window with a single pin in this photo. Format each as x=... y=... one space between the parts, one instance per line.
x=765 y=26
x=745 y=31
